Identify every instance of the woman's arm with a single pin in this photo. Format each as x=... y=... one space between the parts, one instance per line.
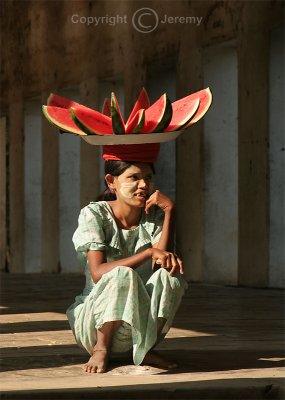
x=161 y=251
x=166 y=241
x=99 y=266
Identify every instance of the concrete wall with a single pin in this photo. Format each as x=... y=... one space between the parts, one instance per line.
x=69 y=158
x=33 y=179
x=69 y=192
x=3 y=194
x=277 y=161
x=162 y=79
x=69 y=150
x=220 y=163
x=42 y=53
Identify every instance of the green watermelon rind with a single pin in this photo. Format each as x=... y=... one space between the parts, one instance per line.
x=198 y=116
x=81 y=125
x=140 y=124
x=193 y=116
x=183 y=123
x=141 y=103
x=166 y=116
x=61 y=126
x=117 y=122
x=188 y=123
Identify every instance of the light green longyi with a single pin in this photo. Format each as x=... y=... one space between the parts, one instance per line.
x=137 y=297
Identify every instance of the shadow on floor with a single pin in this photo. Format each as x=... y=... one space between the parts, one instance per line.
x=34 y=326
x=31 y=293
x=238 y=389
x=14 y=359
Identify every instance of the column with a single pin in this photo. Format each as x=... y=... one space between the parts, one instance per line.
x=16 y=183
x=189 y=166
x=253 y=182
x=3 y=201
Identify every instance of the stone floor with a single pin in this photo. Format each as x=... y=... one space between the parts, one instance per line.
x=228 y=341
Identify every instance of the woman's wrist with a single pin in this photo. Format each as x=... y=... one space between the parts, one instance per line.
x=149 y=252
x=169 y=210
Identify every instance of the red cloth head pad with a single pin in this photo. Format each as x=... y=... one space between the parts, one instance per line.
x=146 y=152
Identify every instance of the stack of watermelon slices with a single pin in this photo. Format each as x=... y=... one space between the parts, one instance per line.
x=161 y=116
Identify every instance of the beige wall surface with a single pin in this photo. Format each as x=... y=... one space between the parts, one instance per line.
x=56 y=46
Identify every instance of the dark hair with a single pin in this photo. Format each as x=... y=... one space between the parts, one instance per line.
x=116 y=168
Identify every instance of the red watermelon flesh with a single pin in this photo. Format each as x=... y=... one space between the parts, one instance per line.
x=158 y=115
x=183 y=111
x=91 y=121
x=205 y=97
x=106 y=109
x=136 y=123
x=61 y=118
x=141 y=103
x=59 y=101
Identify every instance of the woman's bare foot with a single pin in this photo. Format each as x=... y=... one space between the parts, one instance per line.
x=153 y=359
x=97 y=362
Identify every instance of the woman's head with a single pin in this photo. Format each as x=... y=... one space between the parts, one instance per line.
x=131 y=182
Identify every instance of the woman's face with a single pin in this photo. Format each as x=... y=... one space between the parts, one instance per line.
x=135 y=184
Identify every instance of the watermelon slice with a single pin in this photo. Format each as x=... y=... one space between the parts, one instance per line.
x=136 y=123
x=58 y=101
x=91 y=121
x=61 y=118
x=106 y=109
x=141 y=103
x=183 y=111
x=117 y=119
x=205 y=97
x=158 y=115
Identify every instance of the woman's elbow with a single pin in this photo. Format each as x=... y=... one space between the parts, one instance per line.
x=96 y=278
x=96 y=275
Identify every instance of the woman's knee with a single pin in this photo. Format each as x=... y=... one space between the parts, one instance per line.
x=125 y=271
x=162 y=272
x=119 y=277
x=176 y=280
x=123 y=275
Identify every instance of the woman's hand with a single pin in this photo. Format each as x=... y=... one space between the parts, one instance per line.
x=167 y=260
x=159 y=199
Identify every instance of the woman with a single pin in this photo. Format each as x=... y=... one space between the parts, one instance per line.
x=133 y=279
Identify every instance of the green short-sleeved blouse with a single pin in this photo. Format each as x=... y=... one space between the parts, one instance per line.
x=138 y=298
x=97 y=230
